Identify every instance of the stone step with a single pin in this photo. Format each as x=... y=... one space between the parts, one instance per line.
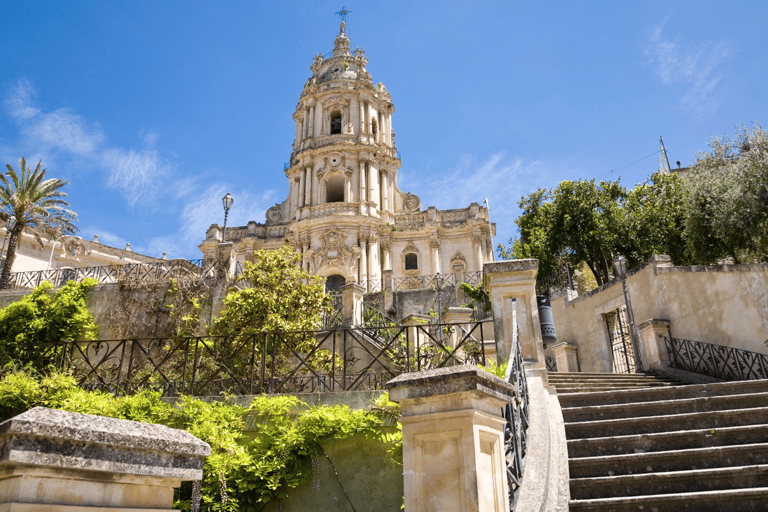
x=650 y=424
x=661 y=441
x=737 y=500
x=563 y=390
x=665 y=393
x=737 y=477
x=671 y=460
x=664 y=407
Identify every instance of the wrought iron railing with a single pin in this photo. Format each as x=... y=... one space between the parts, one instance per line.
x=328 y=360
x=551 y=363
x=725 y=363
x=555 y=282
x=516 y=414
x=422 y=282
x=335 y=318
x=371 y=285
x=114 y=273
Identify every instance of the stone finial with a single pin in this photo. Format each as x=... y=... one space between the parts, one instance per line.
x=95 y=238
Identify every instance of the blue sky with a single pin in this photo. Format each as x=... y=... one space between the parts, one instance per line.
x=154 y=110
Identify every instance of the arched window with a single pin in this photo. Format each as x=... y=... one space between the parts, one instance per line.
x=335 y=122
x=334 y=190
x=333 y=283
x=411 y=261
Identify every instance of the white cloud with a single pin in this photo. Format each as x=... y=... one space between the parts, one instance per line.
x=105 y=237
x=19 y=103
x=136 y=174
x=203 y=208
x=698 y=69
x=500 y=179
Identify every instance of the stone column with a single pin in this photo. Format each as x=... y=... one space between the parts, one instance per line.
x=566 y=356
x=477 y=240
x=352 y=304
x=363 y=188
x=308 y=187
x=434 y=246
x=453 y=439
x=312 y=121
x=348 y=198
x=374 y=266
x=57 y=460
x=363 y=241
x=373 y=182
x=385 y=191
x=508 y=282
x=653 y=348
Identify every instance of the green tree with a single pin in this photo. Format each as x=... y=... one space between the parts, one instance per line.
x=35 y=202
x=29 y=327
x=727 y=208
x=589 y=222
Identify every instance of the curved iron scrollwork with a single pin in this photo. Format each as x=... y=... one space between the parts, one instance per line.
x=516 y=429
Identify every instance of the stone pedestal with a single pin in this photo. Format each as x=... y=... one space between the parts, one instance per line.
x=512 y=285
x=352 y=304
x=566 y=356
x=64 y=461
x=653 y=348
x=453 y=439
x=462 y=316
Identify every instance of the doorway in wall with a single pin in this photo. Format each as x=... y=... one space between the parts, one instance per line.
x=621 y=341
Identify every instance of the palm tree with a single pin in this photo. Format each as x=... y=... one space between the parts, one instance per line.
x=35 y=202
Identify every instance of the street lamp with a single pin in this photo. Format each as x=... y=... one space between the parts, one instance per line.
x=9 y=225
x=620 y=266
x=227 y=202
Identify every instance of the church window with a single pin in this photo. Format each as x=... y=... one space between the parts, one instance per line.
x=335 y=122
x=411 y=261
x=333 y=283
x=334 y=190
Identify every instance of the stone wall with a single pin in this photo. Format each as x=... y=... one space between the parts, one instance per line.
x=721 y=304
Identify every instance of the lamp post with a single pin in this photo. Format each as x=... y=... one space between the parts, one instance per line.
x=9 y=225
x=227 y=202
x=620 y=266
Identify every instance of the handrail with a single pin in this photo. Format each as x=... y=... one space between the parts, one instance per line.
x=516 y=414
x=108 y=274
x=727 y=363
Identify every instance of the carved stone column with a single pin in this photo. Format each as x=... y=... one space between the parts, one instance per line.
x=434 y=246
x=363 y=241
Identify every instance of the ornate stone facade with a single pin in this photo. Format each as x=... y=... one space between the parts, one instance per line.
x=344 y=212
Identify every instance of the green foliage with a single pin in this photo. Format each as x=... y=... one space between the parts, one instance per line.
x=589 y=222
x=247 y=468
x=479 y=298
x=493 y=367
x=727 y=208
x=41 y=318
x=281 y=297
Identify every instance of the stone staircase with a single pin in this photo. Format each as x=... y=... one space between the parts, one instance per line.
x=661 y=447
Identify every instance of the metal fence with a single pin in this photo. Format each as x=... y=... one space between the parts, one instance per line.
x=115 y=273
x=328 y=360
x=725 y=363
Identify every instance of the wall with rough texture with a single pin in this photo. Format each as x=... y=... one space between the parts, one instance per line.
x=721 y=304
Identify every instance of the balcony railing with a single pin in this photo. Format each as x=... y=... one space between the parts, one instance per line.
x=725 y=363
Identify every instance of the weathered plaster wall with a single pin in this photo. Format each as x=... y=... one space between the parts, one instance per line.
x=721 y=304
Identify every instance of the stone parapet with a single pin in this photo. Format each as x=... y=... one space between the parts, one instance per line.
x=57 y=460
x=453 y=439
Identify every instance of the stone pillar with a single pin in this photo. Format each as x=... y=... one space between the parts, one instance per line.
x=434 y=247
x=385 y=191
x=352 y=304
x=308 y=186
x=300 y=191
x=566 y=356
x=363 y=240
x=653 y=348
x=57 y=460
x=461 y=316
x=362 y=181
x=453 y=439
x=509 y=282
x=374 y=265
x=373 y=182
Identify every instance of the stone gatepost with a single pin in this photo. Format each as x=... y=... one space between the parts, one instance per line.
x=352 y=304
x=462 y=316
x=512 y=287
x=65 y=461
x=566 y=356
x=453 y=439
x=652 y=345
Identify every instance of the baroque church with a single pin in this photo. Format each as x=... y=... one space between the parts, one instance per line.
x=344 y=212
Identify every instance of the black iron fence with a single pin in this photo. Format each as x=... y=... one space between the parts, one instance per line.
x=313 y=361
x=516 y=416
x=725 y=363
x=115 y=273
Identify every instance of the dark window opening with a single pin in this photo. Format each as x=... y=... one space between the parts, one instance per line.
x=411 y=261
x=334 y=283
x=335 y=122
x=334 y=190
x=373 y=128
